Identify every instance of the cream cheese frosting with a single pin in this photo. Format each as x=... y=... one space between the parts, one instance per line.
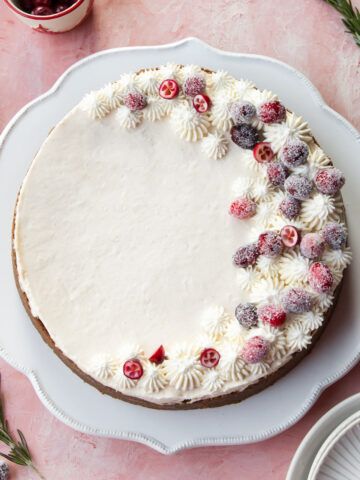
x=143 y=255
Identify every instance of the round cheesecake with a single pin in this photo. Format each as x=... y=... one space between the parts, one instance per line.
x=180 y=238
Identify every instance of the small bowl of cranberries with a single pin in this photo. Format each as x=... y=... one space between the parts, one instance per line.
x=51 y=16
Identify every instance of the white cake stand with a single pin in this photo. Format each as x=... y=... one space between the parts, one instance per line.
x=84 y=408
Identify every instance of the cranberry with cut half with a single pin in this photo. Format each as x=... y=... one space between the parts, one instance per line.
x=263 y=152
x=201 y=103
x=209 y=357
x=133 y=369
x=169 y=89
x=290 y=236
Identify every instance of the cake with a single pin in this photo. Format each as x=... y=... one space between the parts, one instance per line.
x=180 y=238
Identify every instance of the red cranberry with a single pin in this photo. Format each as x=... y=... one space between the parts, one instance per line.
x=320 y=277
x=272 y=112
x=201 y=103
x=246 y=256
x=194 y=85
x=270 y=244
x=43 y=11
x=133 y=369
x=158 y=356
x=255 y=349
x=334 y=235
x=135 y=101
x=298 y=186
x=209 y=357
x=272 y=314
x=329 y=180
x=277 y=173
x=312 y=246
x=294 y=153
x=290 y=236
x=297 y=300
x=169 y=89
x=246 y=315
x=290 y=207
x=242 y=112
x=263 y=152
x=244 y=135
x=242 y=208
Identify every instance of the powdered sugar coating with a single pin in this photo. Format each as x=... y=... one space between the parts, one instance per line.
x=294 y=153
x=242 y=112
x=242 y=208
x=272 y=112
x=246 y=256
x=244 y=135
x=312 y=246
x=298 y=186
x=255 y=349
x=297 y=300
x=270 y=244
x=334 y=235
x=277 y=173
x=194 y=85
x=329 y=180
x=135 y=101
x=290 y=207
x=273 y=315
x=320 y=277
x=246 y=314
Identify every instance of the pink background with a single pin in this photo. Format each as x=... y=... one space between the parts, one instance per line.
x=307 y=34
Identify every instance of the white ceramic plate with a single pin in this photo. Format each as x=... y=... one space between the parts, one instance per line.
x=83 y=407
x=339 y=455
x=328 y=427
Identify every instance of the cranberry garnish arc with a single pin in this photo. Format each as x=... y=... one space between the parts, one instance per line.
x=133 y=369
x=158 y=356
x=209 y=357
x=201 y=103
x=169 y=89
x=263 y=152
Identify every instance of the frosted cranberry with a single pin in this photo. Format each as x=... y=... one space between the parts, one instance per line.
x=246 y=315
x=272 y=315
x=272 y=112
x=270 y=244
x=135 y=101
x=133 y=369
x=244 y=135
x=290 y=207
x=158 y=356
x=277 y=173
x=320 y=277
x=294 y=153
x=42 y=11
x=263 y=152
x=242 y=208
x=334 y=235
x=312 y=246
x=242 y=112
x=297 y=300
x=329 y=180
x=255 y=349
x=194 y=85
x=209 y=357
x=246 y=256
x=290 y=236
x=298 y=186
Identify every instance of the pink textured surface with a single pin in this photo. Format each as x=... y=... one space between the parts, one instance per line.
x=307 y=34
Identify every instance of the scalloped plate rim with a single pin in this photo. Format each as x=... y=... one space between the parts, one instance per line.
x=140 y=437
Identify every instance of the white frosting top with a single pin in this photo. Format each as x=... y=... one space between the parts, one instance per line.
x=142 y=257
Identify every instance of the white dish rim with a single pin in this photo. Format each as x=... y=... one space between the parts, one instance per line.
x=139 y=437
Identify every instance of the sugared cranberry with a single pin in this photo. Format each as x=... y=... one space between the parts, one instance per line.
x=329 y=180
x=272 y=112
x=294 y=153
x=298 y=186
x=194 y=85
x=297 y=300
x=169 y=89
x=270 y=244
x=42 y=11
x=242 y=208
x=246 y=256
x=312 y=246
x=158 y=356
x=320 y=277
x=277 y=173
x=246 y=315
x=290 y=207
x=263 y=152
x=272 y=314
x=135 y=101
x=244 y=135
x=255 y=349
x=133 y=369
x=209 y=357
x=290 y=236
x=201 y=103
x=242 y=112
x=334 y=235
